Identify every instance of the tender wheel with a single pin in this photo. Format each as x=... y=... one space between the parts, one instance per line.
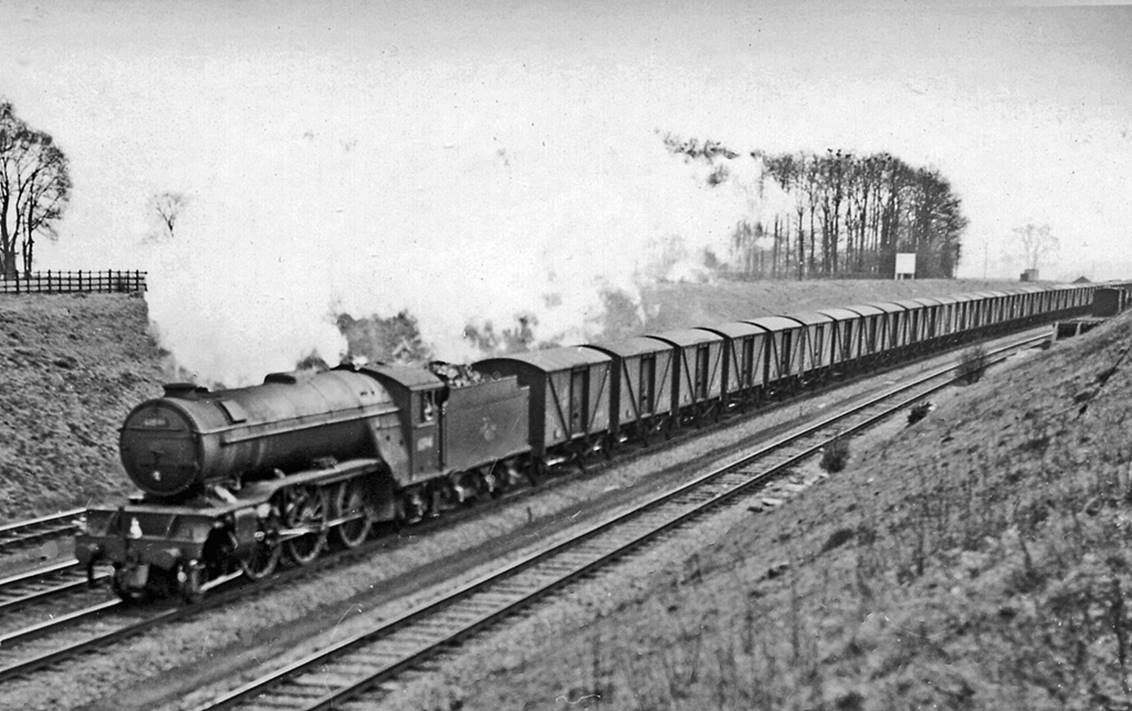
x=350 y=500
x=306 y=508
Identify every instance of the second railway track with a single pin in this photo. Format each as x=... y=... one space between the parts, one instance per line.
x=354 y=671
x=21 y=534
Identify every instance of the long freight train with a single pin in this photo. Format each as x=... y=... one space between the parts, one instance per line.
x=235 y=480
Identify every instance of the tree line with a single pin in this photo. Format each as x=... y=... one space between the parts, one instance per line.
x=847 y=215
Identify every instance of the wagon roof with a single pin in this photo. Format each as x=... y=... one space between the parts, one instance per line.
x=810 y=317
x=933 y=300
x=840 y=314
x=553 y=359
x=886 y=306
x=733 y=329
x=774 y=323
x=864 y=310
x=687 y=337
x=909 y=304
x=628 y=347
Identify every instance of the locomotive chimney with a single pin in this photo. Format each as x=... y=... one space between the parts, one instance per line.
x=185 y=391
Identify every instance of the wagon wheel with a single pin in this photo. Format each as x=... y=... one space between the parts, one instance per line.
x=350 y=500
x=306 y=507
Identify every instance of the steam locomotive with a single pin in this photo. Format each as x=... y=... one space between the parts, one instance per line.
x=234 y=481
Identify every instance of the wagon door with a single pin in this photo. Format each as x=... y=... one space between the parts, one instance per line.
x=646 y=391
x=578 y=400
x=700 y=378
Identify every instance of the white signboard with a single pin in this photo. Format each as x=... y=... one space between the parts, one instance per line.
x=905 y=264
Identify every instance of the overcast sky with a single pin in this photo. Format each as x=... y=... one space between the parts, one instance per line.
x=470 y=163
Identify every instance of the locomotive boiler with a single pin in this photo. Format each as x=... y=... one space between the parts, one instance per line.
x=175 y=445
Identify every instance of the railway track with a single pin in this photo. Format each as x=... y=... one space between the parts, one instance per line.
x=93 y=626
x=354 y=672
x=21 y=534
x=66 y=635
x=43 y=584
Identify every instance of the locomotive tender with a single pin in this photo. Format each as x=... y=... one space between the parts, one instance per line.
x=233 y=480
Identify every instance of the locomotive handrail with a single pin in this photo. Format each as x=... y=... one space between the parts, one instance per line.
x=258 y=430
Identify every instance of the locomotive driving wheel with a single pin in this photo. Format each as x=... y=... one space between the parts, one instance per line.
x=306 y=507
x=261 y=563
x=350 y=500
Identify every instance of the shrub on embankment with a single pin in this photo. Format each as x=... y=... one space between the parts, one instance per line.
x=71 y=367
x=979 y=560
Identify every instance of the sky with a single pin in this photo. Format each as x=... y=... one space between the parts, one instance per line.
x=473 y=161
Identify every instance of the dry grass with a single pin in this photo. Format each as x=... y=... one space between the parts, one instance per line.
x=972 y=365
x=73 y=367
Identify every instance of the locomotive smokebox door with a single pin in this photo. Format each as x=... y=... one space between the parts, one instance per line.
x=157 y=445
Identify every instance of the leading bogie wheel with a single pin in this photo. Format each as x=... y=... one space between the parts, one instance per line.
x=306 y=507
x=129 y=595
x=350 y=501
x=190 y=578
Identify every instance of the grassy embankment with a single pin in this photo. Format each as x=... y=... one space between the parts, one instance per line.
x=73 y=366
x=976 y=560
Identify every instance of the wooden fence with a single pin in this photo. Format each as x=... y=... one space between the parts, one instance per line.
x=50 y=282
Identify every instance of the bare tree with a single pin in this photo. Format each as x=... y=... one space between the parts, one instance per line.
x=1036 y=243
x=35 y=186
x=168 y=207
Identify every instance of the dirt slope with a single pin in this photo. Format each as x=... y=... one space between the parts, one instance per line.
x=73 y=366
x=976 y=560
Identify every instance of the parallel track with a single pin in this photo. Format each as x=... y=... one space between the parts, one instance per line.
x=21 y=534
x=354 y=670
x=91 y=627
x=41 y=584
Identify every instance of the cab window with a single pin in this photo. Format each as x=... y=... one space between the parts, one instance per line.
x=428 y=407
